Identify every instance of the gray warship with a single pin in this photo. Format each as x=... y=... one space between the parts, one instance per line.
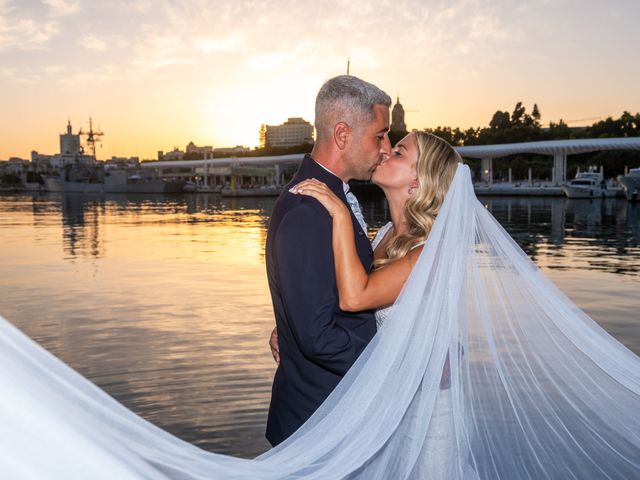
x=82 y=173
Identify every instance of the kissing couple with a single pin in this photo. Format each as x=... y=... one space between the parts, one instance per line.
x=438 y=351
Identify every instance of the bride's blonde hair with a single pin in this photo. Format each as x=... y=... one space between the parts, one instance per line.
x=435 y=168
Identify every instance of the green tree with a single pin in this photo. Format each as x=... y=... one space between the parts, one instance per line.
x=500 y=121
x=558 y=131
x=535 y=114
x=517 y=117
x=454 y=136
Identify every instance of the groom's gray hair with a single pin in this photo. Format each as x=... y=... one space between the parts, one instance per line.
x=346 y=99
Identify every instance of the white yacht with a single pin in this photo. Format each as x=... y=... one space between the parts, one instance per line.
x=588 y=185
x=631 y=184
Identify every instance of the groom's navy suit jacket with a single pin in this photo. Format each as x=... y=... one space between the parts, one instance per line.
x=318 y=341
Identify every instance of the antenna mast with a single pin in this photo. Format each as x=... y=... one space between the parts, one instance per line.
x=93 y=137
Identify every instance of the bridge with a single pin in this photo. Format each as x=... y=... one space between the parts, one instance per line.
x=558 y=149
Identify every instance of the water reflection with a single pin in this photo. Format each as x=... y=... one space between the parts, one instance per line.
x=162 y=300
x=567 y=234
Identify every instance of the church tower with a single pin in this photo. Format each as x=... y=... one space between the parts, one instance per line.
x=69 y=143
x=397 y=118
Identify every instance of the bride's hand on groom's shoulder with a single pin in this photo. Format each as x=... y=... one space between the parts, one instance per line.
x=318 y=190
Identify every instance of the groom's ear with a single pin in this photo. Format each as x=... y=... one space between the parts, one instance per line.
x=341 y=133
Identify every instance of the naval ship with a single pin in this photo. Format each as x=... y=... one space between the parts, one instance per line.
x=82 y=173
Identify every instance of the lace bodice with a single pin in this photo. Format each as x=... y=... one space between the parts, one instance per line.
x=380 y=235
x=382 y=313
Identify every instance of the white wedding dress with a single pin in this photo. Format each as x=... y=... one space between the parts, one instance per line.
x=439 y=450
x=537 y=389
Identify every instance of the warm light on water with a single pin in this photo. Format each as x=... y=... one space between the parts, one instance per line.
x=163 y=300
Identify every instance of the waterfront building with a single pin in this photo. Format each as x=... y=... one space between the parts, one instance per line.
x=44 y=163
x=14 y=166
x=70 y=142
x=237 y=150
x=71 y=153
x=295 y=131
x=397 y=118
x=204 y=151
x=175 y=154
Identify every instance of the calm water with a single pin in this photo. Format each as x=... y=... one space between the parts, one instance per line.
x=163 y=300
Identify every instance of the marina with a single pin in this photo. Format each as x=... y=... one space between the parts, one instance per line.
x=76 y=170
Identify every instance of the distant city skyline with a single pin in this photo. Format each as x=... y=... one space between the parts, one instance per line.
x=156 y=74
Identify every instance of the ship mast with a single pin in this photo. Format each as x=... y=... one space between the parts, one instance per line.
x=93 y=137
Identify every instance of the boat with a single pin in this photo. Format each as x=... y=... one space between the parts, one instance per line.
x=98 y=180
x=589 y=185
x=82 y=173
x=631 y=184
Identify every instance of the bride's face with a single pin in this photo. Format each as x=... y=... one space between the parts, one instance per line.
x=398 y=170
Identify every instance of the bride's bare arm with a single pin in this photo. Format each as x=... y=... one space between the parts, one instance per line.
x=357 y=288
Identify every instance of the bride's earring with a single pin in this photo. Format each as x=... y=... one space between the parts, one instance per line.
x=410 y=189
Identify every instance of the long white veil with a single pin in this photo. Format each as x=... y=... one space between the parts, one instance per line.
x=484 y=370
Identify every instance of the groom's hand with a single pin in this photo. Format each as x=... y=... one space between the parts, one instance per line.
x=273 y=343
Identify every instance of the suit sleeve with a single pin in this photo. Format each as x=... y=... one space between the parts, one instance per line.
x=307 y=279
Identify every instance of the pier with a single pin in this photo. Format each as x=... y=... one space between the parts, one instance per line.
x=268 y=171
x=558 y=149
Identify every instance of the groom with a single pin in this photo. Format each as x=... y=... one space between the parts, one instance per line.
x=317 y=341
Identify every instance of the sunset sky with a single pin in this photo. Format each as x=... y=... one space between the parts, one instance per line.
x=158 y=74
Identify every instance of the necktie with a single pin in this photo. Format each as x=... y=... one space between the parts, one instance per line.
x=355 y=208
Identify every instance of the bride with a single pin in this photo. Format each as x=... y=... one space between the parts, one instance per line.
x=482 y=368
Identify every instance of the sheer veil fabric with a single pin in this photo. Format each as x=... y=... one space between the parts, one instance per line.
x=484 y=370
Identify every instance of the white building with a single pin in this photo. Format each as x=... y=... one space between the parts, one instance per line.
x=193 y=148
x=295 y=131
x=70 y=143
x=14 y=165
x=175 y=154
x=71 y=152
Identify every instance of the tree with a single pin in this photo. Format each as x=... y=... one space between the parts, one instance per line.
x=517 y=117
x=535 y=114
x=627 y=125
x=558 y=130
x=500 y=121
x=454 y=136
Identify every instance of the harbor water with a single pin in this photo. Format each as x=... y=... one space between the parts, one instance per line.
x=162 y=300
